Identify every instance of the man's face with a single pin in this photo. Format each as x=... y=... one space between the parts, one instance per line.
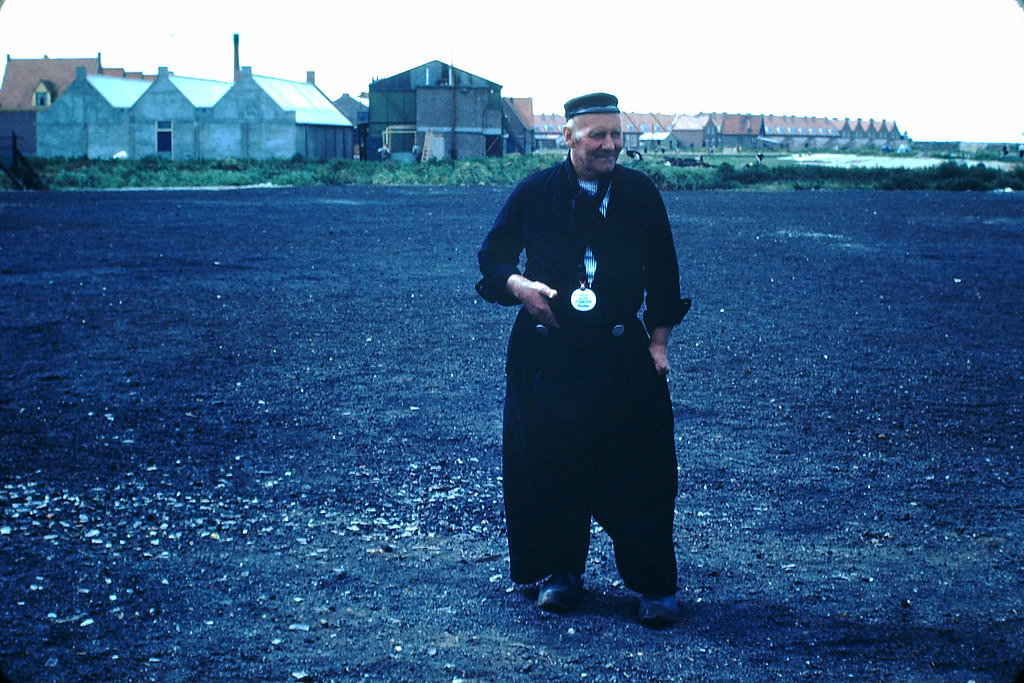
x=594 y=144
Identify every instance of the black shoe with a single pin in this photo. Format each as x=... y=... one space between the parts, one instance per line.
x=658 y=611
x=560 y=592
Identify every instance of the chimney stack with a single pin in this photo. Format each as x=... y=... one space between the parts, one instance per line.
x=238 y=70
x=311 y=77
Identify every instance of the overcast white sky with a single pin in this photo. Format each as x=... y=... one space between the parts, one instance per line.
x=941 y=70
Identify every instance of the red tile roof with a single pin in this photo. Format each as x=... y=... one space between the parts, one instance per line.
x=646 y=123
x=738 y=124
x=549 y=124
x=22 y=76
x=523 y=106
x=805 y=126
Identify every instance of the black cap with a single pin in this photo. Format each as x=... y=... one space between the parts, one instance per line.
x=594 y=103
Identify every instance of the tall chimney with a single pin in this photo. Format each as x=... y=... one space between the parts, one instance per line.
x=238 y=69
x=311 y=77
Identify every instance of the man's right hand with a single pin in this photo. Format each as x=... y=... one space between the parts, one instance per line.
x=536 y=297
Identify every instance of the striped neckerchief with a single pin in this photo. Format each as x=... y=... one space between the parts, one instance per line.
x=590 y=187
x=589 y=260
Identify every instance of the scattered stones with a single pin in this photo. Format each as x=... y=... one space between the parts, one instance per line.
x=192 y=476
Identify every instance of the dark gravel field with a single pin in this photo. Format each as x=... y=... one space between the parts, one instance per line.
x=253 y=435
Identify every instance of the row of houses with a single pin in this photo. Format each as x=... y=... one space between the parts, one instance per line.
x=78 y=108
x=801 y=132
x=691 y=133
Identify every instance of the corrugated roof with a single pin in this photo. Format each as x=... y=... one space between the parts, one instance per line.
x=310 y=105
x=200 y=91
x=119 y=92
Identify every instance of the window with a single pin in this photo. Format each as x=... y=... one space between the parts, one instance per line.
x=164 y=137
x=42 y=99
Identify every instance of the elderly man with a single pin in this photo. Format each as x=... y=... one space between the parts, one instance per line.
x=588 y=424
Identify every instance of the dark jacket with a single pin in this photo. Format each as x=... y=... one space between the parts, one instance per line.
x=633 y=246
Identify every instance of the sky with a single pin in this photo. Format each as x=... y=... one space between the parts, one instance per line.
x=940 y=70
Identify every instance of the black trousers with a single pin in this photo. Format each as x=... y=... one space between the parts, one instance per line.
x=588 y=433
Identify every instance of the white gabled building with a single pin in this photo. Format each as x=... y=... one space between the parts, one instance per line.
x=91 y=119
x=262 y=117
x=183 y=118
x=168 y=119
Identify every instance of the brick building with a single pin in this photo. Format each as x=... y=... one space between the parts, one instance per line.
x=441 y=110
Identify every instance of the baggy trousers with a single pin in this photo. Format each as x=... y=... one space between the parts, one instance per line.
x=588 y=433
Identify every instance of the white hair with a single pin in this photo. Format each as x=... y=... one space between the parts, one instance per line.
x=570 y=125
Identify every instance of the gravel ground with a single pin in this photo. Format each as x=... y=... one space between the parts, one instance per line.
x=254 y=435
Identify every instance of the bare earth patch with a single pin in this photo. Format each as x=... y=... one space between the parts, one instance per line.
x=254 y=435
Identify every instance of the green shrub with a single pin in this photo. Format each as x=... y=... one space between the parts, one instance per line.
x=506 y=171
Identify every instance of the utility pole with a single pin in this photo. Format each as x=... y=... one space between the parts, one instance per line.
x=451 y=80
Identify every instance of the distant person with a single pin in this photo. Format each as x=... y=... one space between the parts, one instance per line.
x=588 y=423
x=417 y=153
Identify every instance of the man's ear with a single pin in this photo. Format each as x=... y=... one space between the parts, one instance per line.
x=567 y=135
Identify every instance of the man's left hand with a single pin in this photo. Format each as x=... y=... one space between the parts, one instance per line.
x=659 y=354
x=658 y=349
